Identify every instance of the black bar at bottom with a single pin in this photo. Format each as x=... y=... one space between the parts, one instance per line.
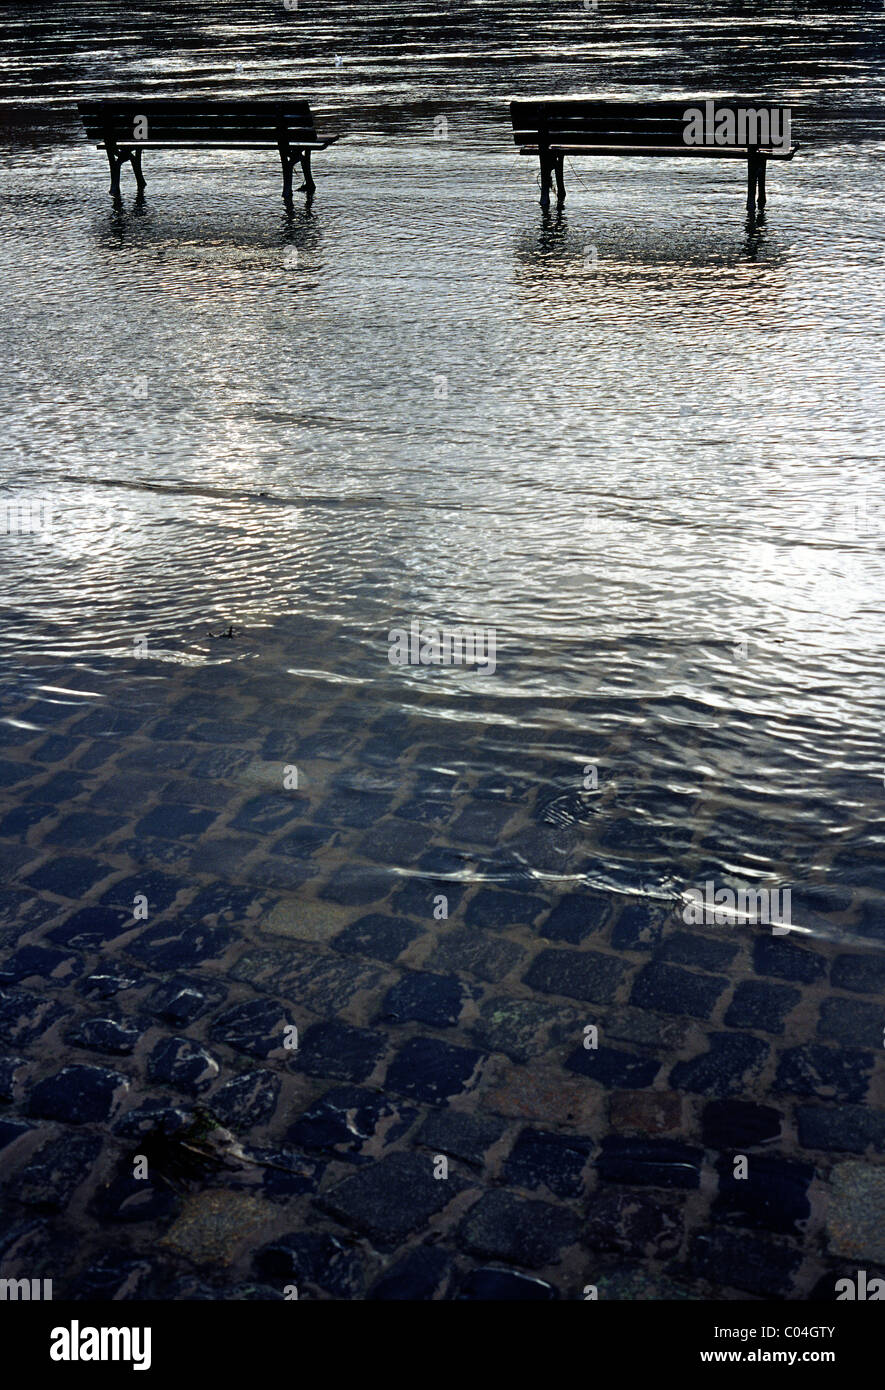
x=203 y=1339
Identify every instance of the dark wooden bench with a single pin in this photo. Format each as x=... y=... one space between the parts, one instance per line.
x=552 y=128
x=125 y=128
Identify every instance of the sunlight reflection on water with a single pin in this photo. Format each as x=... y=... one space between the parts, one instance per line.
x=642 y=440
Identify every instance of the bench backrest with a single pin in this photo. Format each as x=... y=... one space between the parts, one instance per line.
x=570 y=121
x=233 y=122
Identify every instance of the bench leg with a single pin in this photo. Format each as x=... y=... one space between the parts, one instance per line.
x=546 y=179
x=761 y=183
x=560 y=179
x=308 y=186
x=752 y=180
x=115 y=160
x=135 y=161
x=287 y=160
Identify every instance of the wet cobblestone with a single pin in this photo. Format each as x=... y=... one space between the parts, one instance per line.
x=497 y=1089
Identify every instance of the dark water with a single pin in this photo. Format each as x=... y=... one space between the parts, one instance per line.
x=641 y=441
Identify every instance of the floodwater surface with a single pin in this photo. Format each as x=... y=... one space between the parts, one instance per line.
x=635 y=446
x=639 y=440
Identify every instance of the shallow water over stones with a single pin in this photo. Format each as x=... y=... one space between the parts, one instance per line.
x=641 y=443
x=420 y=1036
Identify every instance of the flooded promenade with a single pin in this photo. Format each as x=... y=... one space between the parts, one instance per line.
x=378 y=918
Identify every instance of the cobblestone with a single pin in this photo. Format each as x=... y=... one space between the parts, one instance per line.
x=78 y=1094
x=673 y=990
x=587 y=975
x=391 y=1198
x=520 y=1230
x=169 y=912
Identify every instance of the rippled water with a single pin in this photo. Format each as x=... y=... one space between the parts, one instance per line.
x=641 y=440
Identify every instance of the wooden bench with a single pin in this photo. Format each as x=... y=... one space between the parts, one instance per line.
x=552 y=128
x=126 y=128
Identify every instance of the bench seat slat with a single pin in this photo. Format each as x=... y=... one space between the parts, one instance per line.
x=651 y=135
x=122 y=132
x=199 y=117
x=127 y=127
x=563 y=106
x=613 y=116
x=669 y=151
x=602 y=136
x=612 y=120
x=567 y=107
x=187 y=106
x=220 y=122
x=120 y=137
x=268 y=118
x=216 y=145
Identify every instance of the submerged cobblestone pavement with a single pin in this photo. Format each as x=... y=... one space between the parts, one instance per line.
x=171 y=907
